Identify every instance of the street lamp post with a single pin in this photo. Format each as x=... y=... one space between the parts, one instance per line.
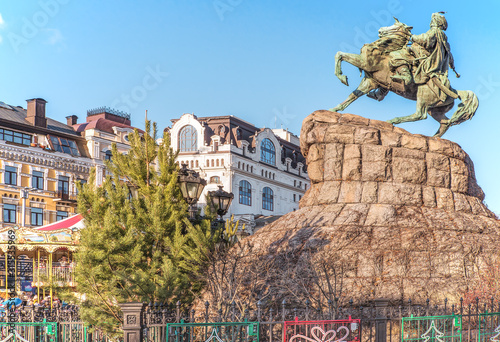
x=191 y=187
x=221 y=200
x=24 y=194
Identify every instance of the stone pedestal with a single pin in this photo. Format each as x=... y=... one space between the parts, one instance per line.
x=399 y=215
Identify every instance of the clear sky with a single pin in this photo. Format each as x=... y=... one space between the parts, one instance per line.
x=268 y=62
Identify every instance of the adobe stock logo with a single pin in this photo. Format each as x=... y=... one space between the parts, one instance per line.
x=223 y=6
x=137 y=94
x=32 y=26
x=369 y=32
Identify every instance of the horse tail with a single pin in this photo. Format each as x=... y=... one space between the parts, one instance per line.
x=466 y=109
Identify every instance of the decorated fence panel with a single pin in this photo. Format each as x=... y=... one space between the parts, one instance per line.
x=489 y=327
x=322 y=331
x=432 y=329
x=213 y=332
x=28 y=332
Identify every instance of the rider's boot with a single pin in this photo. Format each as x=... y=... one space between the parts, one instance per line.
x=403 y=75
x=405 y=78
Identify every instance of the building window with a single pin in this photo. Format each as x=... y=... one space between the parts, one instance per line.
x=267 y=199
x=36 y=216
x=63 y=185
x=81 y=182
x=61 y=215
x=268 y=152
x=238 y=134
x=9 y=213
x=188 y=139
x=64 y=145
x=15 y=137
x=37 y=180
x=294 y=197
x=215 y=179
x=10 y=175
x=108 y=155
x=245 y=193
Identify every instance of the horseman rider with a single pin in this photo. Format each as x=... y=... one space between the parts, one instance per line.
x=432 y=50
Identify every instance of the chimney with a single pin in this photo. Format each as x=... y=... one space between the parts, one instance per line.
x=36 y=112
x=71 y=120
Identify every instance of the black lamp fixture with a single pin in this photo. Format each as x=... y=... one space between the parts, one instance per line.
x=192 y=186
x=221 y=200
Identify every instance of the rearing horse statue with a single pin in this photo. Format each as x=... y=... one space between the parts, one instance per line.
x=386 y=58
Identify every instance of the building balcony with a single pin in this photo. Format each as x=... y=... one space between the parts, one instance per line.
x=63 y=196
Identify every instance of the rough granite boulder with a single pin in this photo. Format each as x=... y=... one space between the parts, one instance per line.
x=388 y=214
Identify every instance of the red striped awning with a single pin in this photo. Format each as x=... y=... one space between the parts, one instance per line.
x=73 y=222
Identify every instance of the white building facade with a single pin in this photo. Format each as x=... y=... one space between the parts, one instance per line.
x=263 y=168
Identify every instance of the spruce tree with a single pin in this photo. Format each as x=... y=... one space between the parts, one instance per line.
x=137 y=242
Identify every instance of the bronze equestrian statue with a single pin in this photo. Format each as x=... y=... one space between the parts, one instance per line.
x=417 y=72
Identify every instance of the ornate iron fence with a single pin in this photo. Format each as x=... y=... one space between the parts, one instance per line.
x=34 y=324
x=330 y=330
x=216 y=332
x=378 y=321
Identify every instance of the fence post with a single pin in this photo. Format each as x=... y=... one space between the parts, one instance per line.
x=381 y=319
x=132 y=321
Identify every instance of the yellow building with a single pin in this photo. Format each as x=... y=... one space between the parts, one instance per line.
x=41 y=161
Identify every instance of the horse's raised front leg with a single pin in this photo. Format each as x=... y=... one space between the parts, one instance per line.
x=351 y=58
x=366 y=85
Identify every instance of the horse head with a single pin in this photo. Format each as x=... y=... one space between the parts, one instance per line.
x=398 y=29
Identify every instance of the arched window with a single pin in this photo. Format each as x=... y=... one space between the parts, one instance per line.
x=245 y=193
x=222 y=162
x=268 y=152
x=217 y=162
x=197 y=164
x=267 y=199
x=215 y=179
x=212 y=163
x=239 y=165
x=108 y=155
x=208 y=163
x=188 y=139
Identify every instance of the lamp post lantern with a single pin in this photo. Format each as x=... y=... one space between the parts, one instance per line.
x=221 y=200
x=191 y=187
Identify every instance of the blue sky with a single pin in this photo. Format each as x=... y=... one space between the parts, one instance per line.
x=270 y=63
